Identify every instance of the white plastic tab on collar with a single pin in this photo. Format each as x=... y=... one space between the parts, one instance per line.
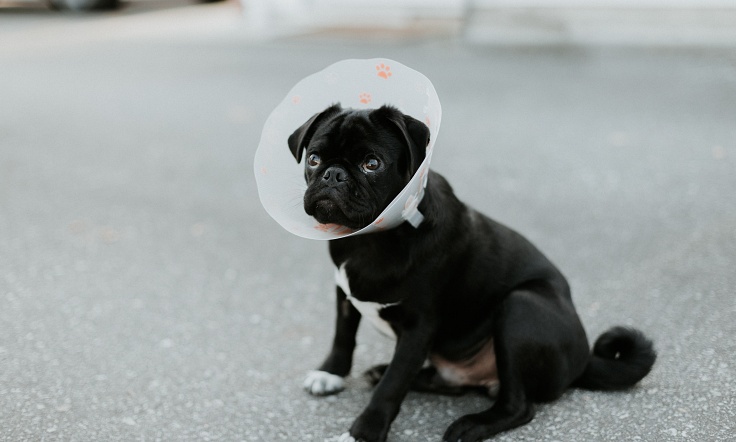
x=411 y=211
x=415 y=218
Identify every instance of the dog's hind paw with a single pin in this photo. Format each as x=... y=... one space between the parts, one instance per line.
x=321 y=383
x=375 y=373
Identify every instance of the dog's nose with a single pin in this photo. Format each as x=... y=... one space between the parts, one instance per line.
x=335 y=175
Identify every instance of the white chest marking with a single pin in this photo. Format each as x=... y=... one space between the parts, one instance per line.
x=369 y=310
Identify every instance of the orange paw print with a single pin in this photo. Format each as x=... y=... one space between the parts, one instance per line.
x=365 y=98
x=333 y=228
x=383 y=71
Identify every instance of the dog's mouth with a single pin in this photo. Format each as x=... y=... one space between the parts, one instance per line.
x=330 y=207
x=327 y=211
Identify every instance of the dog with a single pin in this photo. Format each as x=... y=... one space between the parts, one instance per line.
x=472 y=304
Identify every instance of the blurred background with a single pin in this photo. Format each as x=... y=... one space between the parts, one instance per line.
x=146 y=295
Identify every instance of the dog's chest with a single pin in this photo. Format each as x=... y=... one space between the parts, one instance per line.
x=368 y=310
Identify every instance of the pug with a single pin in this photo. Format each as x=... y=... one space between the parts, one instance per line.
x=472 y=304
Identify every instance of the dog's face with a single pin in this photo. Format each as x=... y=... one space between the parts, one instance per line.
x=357 y=161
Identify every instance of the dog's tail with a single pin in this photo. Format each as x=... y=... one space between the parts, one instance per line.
x=621 y=358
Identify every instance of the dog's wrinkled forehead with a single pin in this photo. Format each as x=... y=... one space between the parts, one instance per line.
x=354 y=132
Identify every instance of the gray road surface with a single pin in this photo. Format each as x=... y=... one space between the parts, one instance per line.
x=146 y=295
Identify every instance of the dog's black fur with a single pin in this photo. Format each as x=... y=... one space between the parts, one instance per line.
x=454 y=284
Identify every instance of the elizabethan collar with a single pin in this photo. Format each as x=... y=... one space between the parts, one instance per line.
x=357 y=84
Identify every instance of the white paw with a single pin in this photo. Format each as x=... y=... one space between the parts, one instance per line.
x=320 y=383
x=346 y=437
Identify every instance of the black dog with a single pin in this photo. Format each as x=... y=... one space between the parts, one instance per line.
x=475 y=299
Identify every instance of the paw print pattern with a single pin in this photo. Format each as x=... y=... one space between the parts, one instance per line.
x=333 y=228
x=384 y=71
x=365 y=98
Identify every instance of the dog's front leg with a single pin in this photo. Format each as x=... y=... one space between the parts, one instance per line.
x=328 y=379
x=412 y=349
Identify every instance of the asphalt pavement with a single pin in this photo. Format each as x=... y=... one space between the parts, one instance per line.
x=146 y=295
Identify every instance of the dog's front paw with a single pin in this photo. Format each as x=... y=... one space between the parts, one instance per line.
x=346 y=437
x=467 y=429
x=371 y=426
x=321 y=383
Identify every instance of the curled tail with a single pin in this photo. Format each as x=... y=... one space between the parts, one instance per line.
x=621 y=358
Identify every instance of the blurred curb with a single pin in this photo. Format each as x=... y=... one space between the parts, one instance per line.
x=602 y=26
x=505 y=22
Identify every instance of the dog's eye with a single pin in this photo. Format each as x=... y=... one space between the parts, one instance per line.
x=313 y=160
x=371 y=164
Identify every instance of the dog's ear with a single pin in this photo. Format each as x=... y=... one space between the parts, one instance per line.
x=418 y=133
x=415 y=133
x=302 y=136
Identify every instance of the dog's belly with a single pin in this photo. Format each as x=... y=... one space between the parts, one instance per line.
x=368 y=310
x=479 y=370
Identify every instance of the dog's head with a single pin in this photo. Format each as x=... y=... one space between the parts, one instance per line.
x=357 y=161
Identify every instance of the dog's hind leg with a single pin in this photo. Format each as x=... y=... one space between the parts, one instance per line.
x=511 y=409
x=540 y=348
x=426 y=381
x=500 y=417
